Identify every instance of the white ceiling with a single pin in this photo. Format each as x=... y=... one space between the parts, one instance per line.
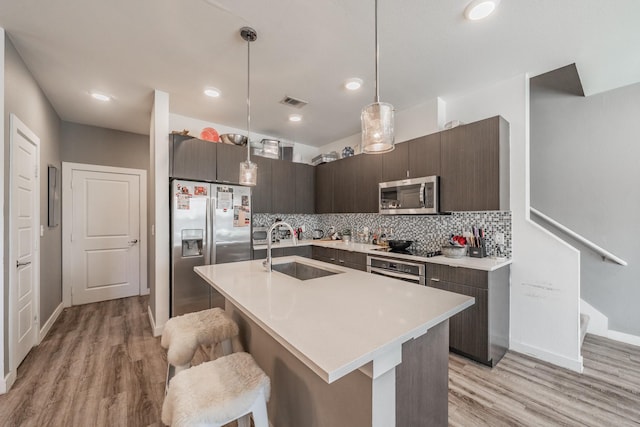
x=128 y=48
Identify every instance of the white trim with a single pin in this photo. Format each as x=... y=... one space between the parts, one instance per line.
x=16 y=125
x=67 y=172
x=7 y=382
x=544 y=355
x=155 y=330
x=624 y=337
x=49 y=323
x=3 y=350
x=145 y=291
x=598 y=322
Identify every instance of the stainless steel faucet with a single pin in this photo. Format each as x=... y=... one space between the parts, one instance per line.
x=267 y=262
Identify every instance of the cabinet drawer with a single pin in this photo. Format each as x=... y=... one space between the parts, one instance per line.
x=354 y=258
x=303 y=251
x=323 y=254
x=460 y=275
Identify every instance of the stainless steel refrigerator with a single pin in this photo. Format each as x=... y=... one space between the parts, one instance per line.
x=210 y=224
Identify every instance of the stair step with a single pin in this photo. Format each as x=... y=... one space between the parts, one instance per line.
x=584 y=322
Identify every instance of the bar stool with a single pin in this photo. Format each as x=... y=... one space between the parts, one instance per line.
x=217 y=392
x=182 y=335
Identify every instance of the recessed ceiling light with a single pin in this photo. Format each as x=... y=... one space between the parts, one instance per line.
x=100 y=96
x=295 y=117
x=353 y=84
x=212 y=92
x=480 y=9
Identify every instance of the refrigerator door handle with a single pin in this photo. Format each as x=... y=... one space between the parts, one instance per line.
x=207 y=231
x=212 y=222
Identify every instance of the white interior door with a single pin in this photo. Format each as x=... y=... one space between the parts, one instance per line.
x=24 y=237
x=105 y=249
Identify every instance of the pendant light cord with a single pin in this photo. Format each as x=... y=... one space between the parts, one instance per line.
x=249 y=99
x=377 y=98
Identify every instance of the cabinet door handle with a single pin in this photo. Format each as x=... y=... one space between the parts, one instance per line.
x=332 y=259
x=341 y=261
x=434 y=279
x=133 y=242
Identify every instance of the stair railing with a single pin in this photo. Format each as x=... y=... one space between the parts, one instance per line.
x=588 y=243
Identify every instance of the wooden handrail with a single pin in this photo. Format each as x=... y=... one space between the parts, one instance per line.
x=588 y=243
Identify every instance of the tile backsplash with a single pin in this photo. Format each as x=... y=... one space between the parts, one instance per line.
x=428 y=231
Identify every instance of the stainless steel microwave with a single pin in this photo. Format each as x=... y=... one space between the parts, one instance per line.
x=410 y=196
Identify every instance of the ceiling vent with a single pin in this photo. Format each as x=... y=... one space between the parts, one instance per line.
x=293 y=102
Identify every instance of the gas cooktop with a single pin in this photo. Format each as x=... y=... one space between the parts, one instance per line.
x=409 y=251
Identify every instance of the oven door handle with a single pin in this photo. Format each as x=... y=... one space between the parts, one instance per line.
x=383 y=272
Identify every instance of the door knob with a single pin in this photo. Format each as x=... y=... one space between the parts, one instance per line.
x=21 y=264
x=133 y=242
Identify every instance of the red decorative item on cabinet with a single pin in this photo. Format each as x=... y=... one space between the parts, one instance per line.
x=210 y=134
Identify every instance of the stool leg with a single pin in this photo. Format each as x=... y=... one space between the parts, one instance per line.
x=259 y=412
x=226 y=347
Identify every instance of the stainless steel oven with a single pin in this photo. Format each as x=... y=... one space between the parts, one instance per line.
x=398 y=269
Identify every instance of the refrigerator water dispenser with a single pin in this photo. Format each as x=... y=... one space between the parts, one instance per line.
x=192 y=242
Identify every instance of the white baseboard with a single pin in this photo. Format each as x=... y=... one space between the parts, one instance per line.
x=49 y=323
x=155 y=330
x=7 y=382
x=553 y=358
x=622 y=337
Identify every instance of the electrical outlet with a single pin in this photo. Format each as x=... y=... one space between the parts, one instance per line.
x=499 y=238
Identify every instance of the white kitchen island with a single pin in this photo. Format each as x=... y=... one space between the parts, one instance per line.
x=352 y=349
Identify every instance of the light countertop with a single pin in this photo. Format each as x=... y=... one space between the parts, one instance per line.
x=486 y=264
x=334 y=324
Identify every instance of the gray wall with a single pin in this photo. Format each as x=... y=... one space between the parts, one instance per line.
x=585 y=175
x=25 y=99
x=105 y=147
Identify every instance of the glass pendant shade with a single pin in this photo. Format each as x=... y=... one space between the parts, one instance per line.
x=248 y=173
x=377 y=128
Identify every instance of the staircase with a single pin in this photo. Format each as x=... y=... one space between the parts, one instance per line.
x=584 y=322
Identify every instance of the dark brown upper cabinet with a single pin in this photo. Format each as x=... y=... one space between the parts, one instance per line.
x=395 y=165
x=305 y=188
x=344 y=184
x=474 y=167
x=325 y=187
x=261 y=194
x=192 y=158
x=424 y=156
x=228 y=161
x=367 y=179
x=283 y=182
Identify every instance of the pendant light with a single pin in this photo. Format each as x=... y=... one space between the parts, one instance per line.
x=377 y=118
x=248 y=169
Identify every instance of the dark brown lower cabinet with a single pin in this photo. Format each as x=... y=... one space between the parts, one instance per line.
x=480 y=332
x=303 y=251
x=355 y=260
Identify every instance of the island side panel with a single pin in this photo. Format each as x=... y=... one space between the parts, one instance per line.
x=299 y=397
x=422 y=380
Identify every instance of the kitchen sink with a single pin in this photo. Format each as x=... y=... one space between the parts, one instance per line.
x=302 y=271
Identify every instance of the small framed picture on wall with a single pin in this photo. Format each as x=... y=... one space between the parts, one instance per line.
x=54 y=197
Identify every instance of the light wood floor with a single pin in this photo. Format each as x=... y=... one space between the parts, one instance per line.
x=100 y=366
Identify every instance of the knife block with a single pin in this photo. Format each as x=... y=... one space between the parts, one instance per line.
x=480 y=252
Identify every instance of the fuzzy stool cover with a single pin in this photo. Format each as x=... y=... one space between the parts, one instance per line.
x=182 y=335
x=215 y=392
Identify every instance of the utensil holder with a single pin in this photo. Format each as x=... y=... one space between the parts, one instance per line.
x=480 y=252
